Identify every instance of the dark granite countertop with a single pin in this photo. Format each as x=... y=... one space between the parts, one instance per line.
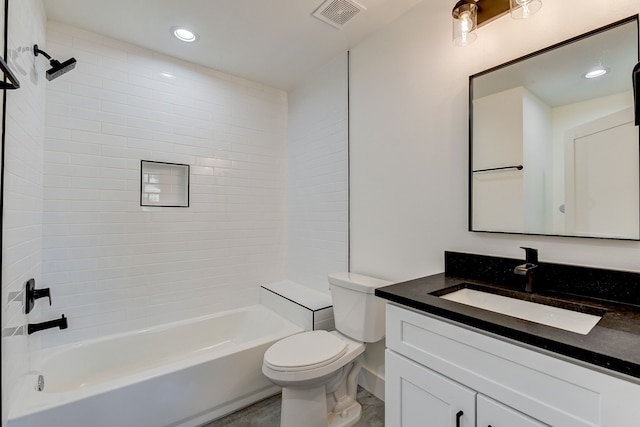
x=614 y=343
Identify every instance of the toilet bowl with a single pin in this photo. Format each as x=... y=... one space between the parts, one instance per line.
x=318 y=370
x=320 y=383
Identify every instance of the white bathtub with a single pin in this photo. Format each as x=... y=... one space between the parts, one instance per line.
x=179 y=374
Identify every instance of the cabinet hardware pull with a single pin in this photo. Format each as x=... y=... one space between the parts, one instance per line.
x=458 y=416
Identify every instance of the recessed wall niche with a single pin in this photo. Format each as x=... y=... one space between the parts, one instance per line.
x=164 y=184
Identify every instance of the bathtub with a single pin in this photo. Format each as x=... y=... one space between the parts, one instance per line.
x=179 y=374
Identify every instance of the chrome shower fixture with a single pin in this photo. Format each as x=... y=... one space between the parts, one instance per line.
x=57 y=68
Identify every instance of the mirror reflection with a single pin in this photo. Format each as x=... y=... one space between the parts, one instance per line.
x=553 y=145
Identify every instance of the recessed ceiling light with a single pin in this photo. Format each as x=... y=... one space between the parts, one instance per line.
x=596 y=73
x=184 y=34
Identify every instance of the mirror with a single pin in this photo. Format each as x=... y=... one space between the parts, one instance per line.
x=553 y=152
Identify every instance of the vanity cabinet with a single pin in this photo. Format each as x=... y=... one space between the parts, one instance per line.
x=430 y=399
x=440 y=373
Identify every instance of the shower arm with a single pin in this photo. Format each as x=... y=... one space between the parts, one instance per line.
x=36 y=51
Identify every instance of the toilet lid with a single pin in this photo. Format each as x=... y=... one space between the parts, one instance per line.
x=305 y=351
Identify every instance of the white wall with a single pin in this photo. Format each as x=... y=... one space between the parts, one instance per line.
x=113 y=265
x=22 y=233
x=537 y=162
x=318 y=176
x=409 y=140
x=498 y=140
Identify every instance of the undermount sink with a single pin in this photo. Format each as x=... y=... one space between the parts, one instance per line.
x=561 y=318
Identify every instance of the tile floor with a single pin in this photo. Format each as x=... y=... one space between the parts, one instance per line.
x=266 y=413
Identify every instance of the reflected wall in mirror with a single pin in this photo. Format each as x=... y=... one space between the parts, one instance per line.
x=553 y=152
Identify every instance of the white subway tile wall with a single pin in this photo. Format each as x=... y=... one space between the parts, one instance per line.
x=318 y=199
x=113 y=265
x=22 y=233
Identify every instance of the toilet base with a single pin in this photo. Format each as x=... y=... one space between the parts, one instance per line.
x=347 y=417
x=308 y=407
x=304 y=407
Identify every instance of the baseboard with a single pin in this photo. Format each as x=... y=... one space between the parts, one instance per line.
x=372 y=382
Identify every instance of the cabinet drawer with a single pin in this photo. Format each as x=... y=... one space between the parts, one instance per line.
x=552 y=390
x=493 y=414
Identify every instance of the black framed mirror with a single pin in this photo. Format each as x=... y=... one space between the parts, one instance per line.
x=553 y=146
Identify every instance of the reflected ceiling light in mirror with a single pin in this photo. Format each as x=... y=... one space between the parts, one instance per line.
x=471 y=14
x=465 y=15
x=596 y=72
x=522 y=9
x=184 y=34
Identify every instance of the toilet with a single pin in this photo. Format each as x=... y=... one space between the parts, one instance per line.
x=318 y=370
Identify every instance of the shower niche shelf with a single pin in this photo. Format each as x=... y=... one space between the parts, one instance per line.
x=164 y=184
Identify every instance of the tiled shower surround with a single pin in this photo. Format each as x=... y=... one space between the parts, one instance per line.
x=268 y=187
x=114 y=265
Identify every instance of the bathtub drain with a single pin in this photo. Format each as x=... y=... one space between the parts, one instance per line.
x=40 y=385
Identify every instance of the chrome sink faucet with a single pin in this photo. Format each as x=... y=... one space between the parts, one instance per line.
x=526 y=269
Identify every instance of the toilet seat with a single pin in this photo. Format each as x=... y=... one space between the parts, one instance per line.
x=305 y=351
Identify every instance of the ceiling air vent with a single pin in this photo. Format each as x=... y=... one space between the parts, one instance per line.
x=338 y=12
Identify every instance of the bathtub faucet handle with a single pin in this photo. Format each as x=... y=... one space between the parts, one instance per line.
x=33 y=294
x=40 y=293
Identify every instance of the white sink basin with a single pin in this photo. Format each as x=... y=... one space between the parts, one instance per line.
x=568 y=320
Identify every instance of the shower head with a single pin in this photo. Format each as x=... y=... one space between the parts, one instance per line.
x=57 y=68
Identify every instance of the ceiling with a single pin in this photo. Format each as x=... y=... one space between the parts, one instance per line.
x=556 y=76
x=276 y=42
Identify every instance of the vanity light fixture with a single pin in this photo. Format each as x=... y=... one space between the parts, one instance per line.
x=471 y=14
x=465 y=15
x=184 y=34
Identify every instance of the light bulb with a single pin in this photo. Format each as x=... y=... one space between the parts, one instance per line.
x=184 y=34
x=522 y=9
x=596 y=73
x=466 y=23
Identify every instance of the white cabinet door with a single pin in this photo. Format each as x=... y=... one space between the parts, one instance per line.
x=419 y=397
x=494 y=414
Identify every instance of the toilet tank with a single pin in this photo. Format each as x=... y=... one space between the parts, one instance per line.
x=358 y=313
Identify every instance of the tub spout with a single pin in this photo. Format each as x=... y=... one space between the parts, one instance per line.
x=57 y=323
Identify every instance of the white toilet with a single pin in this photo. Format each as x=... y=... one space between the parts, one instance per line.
x=318 y=370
